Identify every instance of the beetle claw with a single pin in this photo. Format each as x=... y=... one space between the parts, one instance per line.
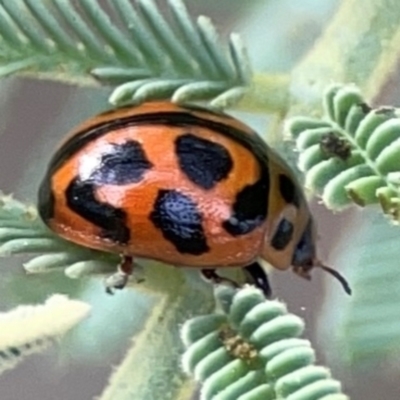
x=116 y=281
x=119 y=280
x=302 y=272
x=211 y=275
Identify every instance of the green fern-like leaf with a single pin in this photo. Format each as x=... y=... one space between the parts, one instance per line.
x=133 y=46
x=22 y=232
x=252 y=351
x=352 y=154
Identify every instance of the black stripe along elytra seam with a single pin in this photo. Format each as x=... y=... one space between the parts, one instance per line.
x=180 y=222
x=243 y=219
x=204 y=162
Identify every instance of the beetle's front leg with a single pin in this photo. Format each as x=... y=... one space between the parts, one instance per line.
x=119 y=279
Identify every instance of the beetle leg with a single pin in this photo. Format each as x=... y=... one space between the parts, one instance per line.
x=121 y=277
x=260 y=277
x=211 y=275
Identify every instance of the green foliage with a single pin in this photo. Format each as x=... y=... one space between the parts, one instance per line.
x=367 y=328
x=257 y=352
x=30 y=329
x=22 y=232
x=351 y=155
x=365 y=53
x=151 y=369
x=251 y=350
x=135 y=47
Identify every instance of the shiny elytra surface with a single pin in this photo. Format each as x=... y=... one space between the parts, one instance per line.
x=225 y=216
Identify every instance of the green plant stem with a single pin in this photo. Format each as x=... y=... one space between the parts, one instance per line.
x=361 y=45
x=355 y=48
x=268 y=93
x=151 y=369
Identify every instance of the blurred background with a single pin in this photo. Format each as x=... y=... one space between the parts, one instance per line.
x=349 y=334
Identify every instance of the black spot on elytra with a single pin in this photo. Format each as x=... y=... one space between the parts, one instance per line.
x=283 y=235
x=204 y=162
x=121 y=164
x=305 y=250
x=180 y=222
x=250 y=208
x=242 y=220
x=168 y=118
x=288 y=190
x=82 y=200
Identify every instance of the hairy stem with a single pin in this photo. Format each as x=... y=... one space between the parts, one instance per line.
x=268 y=93
x=151 y=370
x=361 y=46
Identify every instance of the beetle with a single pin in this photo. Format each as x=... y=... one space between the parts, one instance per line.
x=183 y=185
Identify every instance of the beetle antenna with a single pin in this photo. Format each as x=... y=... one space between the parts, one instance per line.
x=338 y=276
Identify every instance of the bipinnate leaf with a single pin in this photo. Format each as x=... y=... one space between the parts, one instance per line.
x=351 y=155
x=251 y=350
x=141 y=52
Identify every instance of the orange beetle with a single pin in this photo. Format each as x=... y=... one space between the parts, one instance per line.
x=179 y=184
